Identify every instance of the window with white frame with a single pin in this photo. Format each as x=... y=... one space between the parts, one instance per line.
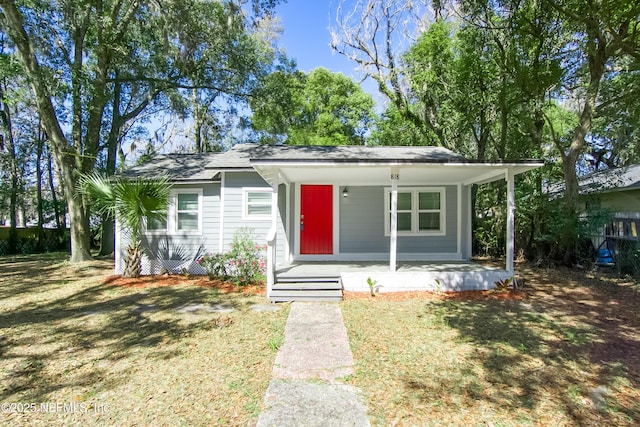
x=421 y=211
x=187 y=211
x=184 y=214
x=256 y=203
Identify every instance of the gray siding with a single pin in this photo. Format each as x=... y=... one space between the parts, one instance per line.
x=174 y=251
x=362 y=221
x=362 y=225
x=233 y=193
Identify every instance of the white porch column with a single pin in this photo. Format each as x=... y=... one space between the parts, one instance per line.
x=272 y=237
x=393 y=247
x=511 y=207
x=222 y=194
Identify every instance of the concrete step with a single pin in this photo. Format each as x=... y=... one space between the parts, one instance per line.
x=293 y=279
x=307 y=286
x=305 y=295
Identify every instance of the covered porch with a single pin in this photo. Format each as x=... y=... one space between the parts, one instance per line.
x=408 y=275
x=399 y=217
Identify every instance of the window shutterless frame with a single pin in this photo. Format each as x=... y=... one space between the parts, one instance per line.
x=184 y=214
x=256 y=204
x=421 y=211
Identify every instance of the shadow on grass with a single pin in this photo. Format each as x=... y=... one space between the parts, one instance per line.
x=560 y=344
x=28 y=274
x=94 y=319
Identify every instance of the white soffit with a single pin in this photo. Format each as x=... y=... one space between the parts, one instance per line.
x=379 y=174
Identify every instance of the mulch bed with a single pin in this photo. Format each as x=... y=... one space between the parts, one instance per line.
x=229 y=287
x=176 y=280
x=439 y=296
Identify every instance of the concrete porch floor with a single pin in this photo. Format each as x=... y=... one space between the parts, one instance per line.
x=409 y=276
x=334 y=268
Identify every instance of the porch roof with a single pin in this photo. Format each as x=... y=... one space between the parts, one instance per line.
x=360 y=165
x=377 y=172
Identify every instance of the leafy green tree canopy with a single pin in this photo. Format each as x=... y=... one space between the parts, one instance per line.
x=96 y=65
x=321 y=108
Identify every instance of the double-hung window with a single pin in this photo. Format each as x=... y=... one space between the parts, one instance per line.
x=184 y=214
x=256 y=203
x=421 y=211
x=187 y=212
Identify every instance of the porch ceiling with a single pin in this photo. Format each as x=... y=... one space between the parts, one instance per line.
x=379 y=174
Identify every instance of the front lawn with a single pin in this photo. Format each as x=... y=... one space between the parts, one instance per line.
x=99 y=354
x=567 y=354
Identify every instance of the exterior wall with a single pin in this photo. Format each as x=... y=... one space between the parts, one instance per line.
x=466 y=245
x=362 y=228
x=624 y=206
x=233 y=205
x=177 y=251
x=621 y=201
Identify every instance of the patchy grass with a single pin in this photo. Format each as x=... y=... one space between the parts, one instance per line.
x=567 y=354
x=125 y=354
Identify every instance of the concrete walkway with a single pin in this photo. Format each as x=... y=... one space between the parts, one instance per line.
x=306 y=388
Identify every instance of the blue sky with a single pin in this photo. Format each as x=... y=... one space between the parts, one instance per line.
x=306 y=36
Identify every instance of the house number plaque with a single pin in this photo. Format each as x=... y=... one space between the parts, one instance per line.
x=395 y=176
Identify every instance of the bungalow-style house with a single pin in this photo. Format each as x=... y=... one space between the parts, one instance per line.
x=333 y=218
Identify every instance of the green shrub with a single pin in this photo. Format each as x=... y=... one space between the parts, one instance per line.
x=247 y=262
x=244 y=264
x=628 y=259
x=215 y=264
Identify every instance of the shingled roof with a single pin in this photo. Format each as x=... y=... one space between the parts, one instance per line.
x=244 y=154
x=619 y=179
x=199 y=167
x=178 y=167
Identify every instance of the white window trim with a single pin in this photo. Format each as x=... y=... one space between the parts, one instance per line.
x=174 y=226
x=414 y=211
x=245 y=203
x=172 y=214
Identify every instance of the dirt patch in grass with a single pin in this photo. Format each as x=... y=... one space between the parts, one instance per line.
x=564 y=352
x=97 y=353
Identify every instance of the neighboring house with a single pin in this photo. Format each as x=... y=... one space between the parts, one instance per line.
x=399 y=216
x=616 y=191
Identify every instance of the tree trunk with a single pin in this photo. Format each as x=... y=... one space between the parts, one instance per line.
x=80 y=236
x=13 y=170
x=114 y=139
x=107 y=237
x=60 y=222
x=133 y=262
x=64 y=153
x=39 y=204
x=597 y=58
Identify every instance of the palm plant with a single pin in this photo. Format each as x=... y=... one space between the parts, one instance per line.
x=132 y=202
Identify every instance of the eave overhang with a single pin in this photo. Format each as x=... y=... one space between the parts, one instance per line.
x=375 y=172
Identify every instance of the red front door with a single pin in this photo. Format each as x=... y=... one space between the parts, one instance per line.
x=316 y=219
